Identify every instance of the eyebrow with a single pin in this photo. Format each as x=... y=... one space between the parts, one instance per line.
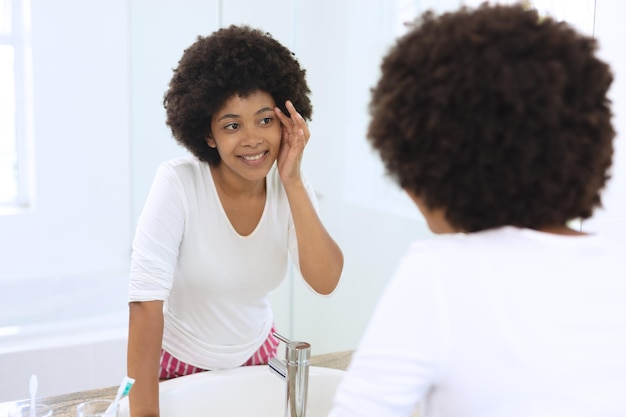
x=235 y=116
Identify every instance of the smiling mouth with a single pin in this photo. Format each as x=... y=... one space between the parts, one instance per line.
x=253 y=157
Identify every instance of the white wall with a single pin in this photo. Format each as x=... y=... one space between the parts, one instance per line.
x=611 y=32
x=79 y=226
x=159 y=32
x=80 y=221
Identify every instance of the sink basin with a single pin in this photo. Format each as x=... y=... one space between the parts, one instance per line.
x=245 y=391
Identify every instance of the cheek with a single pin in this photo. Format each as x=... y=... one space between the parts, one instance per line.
x=277 y=133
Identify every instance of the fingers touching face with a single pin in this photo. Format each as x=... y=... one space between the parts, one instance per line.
x=294 y=122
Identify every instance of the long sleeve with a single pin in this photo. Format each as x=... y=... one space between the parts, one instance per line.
x=158 y=236
x=401 y=352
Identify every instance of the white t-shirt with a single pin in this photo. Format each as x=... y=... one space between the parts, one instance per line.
x=215 y=282
x=508 y=322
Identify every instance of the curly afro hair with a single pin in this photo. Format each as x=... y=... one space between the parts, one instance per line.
x=234 y=60
x=497 y=116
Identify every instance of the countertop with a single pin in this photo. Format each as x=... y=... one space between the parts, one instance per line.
x=65 y=405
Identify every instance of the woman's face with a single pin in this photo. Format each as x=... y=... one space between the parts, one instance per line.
x=247 y=133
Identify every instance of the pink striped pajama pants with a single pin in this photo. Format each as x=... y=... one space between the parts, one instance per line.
x=172 y=367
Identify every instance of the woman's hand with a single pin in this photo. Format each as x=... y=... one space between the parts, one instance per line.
x=295 y=135
x=320 y=258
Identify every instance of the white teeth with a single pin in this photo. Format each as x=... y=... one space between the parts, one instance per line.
x=253 y=157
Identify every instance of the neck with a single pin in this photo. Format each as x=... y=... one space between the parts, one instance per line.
x=236 y=187
x=561 y=230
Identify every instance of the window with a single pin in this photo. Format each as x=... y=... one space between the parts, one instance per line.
x=15 y=151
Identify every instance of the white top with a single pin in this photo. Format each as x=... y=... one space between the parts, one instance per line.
x=215 y=282
x=509 y=322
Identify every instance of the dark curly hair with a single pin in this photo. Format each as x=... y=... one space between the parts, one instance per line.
x=233 y=60
x=497 y=116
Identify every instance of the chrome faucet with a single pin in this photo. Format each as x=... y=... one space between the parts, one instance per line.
x=294 y=369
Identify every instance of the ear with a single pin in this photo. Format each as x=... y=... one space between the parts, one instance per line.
x=210 y=141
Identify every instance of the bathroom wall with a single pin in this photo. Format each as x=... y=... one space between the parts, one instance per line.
x=71 y=246
x=610 y=31
x=79 y=221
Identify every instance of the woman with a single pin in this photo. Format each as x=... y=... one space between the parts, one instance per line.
x=496 y=122
x=218 y=227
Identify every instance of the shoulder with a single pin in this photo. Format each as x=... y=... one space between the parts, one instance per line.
x=185 y=165
x=183 y=176
x=450 y=256
x=478 y=241
x=186 y=169
x=440 y=245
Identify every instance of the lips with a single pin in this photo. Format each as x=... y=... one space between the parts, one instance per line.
x=254 y=157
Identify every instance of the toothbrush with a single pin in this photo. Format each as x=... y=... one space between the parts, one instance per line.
x=32 y=388
x=125 y=386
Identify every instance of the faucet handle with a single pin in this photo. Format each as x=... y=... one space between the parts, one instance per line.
x=294 y=369
x=281 y=338
x=298 y=352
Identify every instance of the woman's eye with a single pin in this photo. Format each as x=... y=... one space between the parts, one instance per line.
x=266 y=120
x=232 y=126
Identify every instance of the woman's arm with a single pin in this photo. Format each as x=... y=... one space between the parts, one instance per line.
x=145 y=334
x=321 y=259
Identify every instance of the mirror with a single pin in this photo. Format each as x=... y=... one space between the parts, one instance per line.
x=95 y=86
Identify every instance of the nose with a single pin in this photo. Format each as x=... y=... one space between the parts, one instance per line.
x=252 y=138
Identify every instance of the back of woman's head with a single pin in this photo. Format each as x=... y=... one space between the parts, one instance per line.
x=233 y=60
x=498 y=116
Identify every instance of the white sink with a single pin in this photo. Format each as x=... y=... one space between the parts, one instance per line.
x=245 y=391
